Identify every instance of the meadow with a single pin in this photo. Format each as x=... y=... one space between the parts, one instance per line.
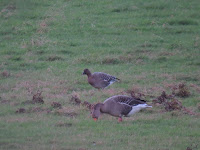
x=152 y=46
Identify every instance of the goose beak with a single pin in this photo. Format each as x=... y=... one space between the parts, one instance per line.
x=95 y=119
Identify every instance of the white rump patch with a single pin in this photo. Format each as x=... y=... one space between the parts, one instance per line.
x=137 y=108
x=111 y=82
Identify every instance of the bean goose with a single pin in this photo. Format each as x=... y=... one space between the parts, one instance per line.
x=99 y=80
x=119 y=106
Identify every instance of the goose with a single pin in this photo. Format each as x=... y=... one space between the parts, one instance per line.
x=99 y=80
x=119 y=106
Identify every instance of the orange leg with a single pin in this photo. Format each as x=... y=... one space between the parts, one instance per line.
x=119 y=119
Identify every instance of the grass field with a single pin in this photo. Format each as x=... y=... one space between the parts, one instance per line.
x=152 y=46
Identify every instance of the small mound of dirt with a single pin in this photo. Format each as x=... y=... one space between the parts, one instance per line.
x=162 y=98
x=5 y=74
x=21 y=110
x=173 y=104
x=181 y=90
x=75 y=100
x=37 y=98
x=88 y=105
x=170 y=103
x=56 y=105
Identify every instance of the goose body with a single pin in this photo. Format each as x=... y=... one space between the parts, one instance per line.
x=119 y=106
x=99 y=80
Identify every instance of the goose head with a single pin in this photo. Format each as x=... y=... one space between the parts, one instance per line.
x=96 y=111
x=86 y=72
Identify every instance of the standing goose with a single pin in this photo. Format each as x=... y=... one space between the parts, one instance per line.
x=119 y=106
x=99 y=80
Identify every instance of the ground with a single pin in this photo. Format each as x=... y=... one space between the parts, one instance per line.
x=152 y=46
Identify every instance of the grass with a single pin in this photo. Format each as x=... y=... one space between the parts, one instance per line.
x=45 y=45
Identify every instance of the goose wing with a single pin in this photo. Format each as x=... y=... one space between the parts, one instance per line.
x=105 y=77
x=122 y=99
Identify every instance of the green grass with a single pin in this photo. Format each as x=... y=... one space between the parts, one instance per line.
x=149 y=45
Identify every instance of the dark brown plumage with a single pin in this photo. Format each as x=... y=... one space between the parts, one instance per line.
x=119 y=106
x=99 y=80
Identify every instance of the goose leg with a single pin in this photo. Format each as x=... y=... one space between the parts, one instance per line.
x=120 y=119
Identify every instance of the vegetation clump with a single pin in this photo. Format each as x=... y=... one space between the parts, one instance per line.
x=21 y=110
x=37 y=98
x=88 y=105
x=168 y=101
x=75 y=100
x=56 y=105
x=5 y=74
x=182 y=91
x=173 y=104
